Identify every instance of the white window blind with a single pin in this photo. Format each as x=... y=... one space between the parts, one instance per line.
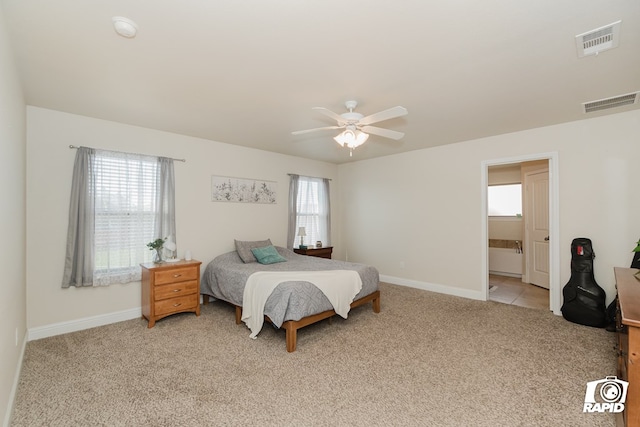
x=125 y=210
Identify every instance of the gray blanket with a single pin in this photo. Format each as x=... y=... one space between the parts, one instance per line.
x=225 y=277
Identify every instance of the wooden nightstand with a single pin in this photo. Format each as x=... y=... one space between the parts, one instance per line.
x=324 y=252
x=169 y=288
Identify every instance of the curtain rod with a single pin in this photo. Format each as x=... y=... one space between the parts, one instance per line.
x=319 y=177
x=124 y=152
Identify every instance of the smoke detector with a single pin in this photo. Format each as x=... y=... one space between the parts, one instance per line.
x=614 y=102
x=598 y=40
x=125 y=27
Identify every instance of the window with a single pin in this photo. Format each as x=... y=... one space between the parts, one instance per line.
x=119 y=203
x=125 y=210
x=309 y=207
x=505 y=200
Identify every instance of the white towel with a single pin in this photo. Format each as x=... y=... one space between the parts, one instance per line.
x=339 y=286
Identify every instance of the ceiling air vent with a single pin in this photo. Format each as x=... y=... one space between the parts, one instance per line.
x=595 y=41
x=616 y=101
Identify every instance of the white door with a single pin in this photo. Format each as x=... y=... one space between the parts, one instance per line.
x=537 y=227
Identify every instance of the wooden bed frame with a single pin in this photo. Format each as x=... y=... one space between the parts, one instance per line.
x=291 y=326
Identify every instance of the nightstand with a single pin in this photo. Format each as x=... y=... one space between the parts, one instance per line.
x=324 y=252
x=169 y=288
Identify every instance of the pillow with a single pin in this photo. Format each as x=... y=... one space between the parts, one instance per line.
x=244 y=249
x=267 y=255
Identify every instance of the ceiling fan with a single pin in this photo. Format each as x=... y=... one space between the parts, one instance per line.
x=357 y=127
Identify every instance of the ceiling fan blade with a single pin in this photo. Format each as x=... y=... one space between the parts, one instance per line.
x=387 y=133
x=300 y=132
x=329 y=113
x=391 y=113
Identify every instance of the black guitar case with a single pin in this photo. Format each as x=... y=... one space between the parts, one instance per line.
x=584 y=300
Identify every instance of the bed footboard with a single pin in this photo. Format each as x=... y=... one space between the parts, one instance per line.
x=291 y=326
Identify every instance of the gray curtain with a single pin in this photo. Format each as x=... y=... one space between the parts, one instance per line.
x=165 y=225
x=79 y=260
x=293 y=210
x=327 y=202
x=80 y=264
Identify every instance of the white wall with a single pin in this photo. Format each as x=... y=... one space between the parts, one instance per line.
x=505 y=228
x=206 y=228
x=13 y=310
x=422 y=210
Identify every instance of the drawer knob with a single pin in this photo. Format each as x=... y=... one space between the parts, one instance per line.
x=177 y=305
x=177 y=275
x=177 y=290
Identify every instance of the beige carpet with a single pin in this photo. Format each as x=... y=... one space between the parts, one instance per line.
x=425 y=360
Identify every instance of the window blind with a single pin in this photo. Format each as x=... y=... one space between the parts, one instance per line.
x=125 y=210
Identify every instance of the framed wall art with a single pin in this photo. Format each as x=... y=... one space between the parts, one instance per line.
x=242 y=190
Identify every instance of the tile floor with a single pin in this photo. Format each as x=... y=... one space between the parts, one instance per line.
x=511 y=290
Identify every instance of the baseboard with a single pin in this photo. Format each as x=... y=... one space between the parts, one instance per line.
x=14 y=388
x=432 y=287
x=81 y=324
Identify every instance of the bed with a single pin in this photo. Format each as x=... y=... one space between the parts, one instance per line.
x=292 y=304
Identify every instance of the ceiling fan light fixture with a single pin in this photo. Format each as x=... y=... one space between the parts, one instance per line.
x=351 y=138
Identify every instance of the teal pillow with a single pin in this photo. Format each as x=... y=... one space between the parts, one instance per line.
x=244 y=248
x=267 y=255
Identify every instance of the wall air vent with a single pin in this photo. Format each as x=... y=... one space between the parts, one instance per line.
x=616 y=101
x=595 y=41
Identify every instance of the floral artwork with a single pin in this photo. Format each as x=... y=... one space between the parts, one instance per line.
x=228 y=189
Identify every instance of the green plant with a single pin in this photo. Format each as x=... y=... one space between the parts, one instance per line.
x=637 y=248
x=156 y=244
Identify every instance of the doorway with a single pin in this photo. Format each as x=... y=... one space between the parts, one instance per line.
x=547 y=251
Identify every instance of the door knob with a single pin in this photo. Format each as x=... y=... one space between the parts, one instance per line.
x=546 y=239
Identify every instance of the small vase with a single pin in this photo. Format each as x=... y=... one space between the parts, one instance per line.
x=157 y=257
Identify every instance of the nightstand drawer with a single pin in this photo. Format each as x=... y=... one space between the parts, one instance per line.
x=173 y=290
x=175 y=305
x=176 y=275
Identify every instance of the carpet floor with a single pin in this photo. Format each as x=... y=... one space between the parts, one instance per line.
x=425 y=360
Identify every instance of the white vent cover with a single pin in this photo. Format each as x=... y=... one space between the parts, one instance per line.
x=595 y=41
x=616 y=101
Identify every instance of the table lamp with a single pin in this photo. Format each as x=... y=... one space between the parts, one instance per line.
x=171 y=247
x=302 y=232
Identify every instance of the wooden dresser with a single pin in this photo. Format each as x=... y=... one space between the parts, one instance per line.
x=324 y=252
x=628 y=331
x=169 y=288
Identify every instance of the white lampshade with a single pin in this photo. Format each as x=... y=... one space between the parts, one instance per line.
x=169 y=244
x=351 y=138
x=302 y=231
